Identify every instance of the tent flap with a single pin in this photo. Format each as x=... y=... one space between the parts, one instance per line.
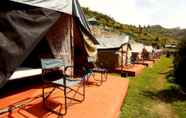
x=90 y=47
x=59 y=39
x=20 y=31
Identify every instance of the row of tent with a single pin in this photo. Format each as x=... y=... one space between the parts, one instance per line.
x=35 y=29
x=121 y=50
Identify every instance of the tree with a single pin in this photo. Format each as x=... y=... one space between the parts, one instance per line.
x=180 y=65
x=140 y=29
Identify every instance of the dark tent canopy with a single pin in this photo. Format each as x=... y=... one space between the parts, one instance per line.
x=29 y=29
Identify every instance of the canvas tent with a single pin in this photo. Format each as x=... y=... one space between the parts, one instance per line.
x=170 y=49
x=149 y=48
x=31 y=27
x=149 y=52
x=92 y=21
x=113 y=51
x=137 y=49
x=157 y=53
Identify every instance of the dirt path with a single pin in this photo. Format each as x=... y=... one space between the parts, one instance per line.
x=164 y=110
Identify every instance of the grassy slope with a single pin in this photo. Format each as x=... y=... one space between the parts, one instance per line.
x=150 y=95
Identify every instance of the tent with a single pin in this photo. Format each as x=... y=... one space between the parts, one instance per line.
x=137 y=49
x=30 y=28
x=149 y=48
x=113 y=51
x=149 y=52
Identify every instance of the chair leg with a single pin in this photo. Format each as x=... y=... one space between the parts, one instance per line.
x=83 y=84
x=43 y=96
x=49 y=109
x=65 y=94
x=106 y=75
x=65 y=97
x=84 y=89
x=102 y=76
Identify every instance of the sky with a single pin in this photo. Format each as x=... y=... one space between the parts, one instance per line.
x=168 y=13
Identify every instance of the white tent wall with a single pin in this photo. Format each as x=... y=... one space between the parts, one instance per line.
x=125 y=54
x=149 y=48
x=137 y=47
x=136 y=51
x=150 y=52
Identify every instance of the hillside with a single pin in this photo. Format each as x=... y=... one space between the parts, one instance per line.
x=152 y=35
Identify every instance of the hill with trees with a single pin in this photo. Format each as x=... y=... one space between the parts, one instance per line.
x=150 y=35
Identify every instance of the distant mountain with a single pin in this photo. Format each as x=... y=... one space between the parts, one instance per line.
x=153 y=35
x=179 y=33
x=176 y=33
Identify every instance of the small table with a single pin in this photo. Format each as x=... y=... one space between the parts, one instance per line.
x=103 y=72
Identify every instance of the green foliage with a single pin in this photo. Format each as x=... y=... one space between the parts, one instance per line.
x=145 y=34
x=180 y=65
x=150 y=95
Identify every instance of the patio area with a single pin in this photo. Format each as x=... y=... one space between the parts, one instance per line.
x=134 y=69
x=147 y=63
x=130 y=70
x=101 y=101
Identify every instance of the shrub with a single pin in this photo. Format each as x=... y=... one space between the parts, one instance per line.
x=180 y=65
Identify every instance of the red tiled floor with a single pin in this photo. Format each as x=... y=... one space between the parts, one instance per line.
x=137 y=68
x=150 y=63
x=134 y=68
x=101 y=101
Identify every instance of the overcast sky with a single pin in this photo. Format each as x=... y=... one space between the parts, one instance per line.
x=168 y=13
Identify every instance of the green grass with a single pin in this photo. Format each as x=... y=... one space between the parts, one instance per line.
x=150 y=95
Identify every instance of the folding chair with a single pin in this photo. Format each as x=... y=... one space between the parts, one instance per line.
x=103 y=72
x=63 y=82
x=98 y=68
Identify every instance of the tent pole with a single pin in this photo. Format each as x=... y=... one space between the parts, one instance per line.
x=121 y=58
x=72 y=42
x=126 y=55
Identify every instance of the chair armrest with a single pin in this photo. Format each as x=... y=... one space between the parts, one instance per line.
x=52 y=74
x=81 y=72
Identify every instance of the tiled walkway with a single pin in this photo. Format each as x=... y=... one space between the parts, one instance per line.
x=101 y=101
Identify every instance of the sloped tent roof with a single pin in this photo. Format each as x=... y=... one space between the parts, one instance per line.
x=158 y=50
x=112 y=42
x=92 y=19
x=149 y=48
x=137 y=47
x=23 y=23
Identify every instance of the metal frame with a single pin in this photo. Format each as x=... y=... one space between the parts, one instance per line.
x=98 y=67
x=64 y=87
x=103 y=73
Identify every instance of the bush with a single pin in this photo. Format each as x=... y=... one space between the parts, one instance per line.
x=180 y=65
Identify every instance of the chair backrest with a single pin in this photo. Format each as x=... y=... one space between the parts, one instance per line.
x=49 y=63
